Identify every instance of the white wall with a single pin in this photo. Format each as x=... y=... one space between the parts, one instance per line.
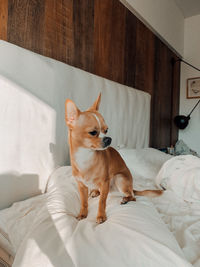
x=191 y=135
x=163 y=16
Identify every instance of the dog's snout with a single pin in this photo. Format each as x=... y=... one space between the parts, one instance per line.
x=106 y=141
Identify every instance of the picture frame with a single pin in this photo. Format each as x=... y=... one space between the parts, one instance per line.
x=193 y=87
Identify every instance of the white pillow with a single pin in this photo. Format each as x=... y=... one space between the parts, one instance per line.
x=145 y=162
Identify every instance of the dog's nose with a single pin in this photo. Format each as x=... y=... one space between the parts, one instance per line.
x=106 y=141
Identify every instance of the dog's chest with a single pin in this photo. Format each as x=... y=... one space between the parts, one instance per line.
x=83 y=158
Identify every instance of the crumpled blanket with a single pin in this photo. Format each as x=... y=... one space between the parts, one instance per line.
x=179 y=206
x=133 y=234
x=181 y=174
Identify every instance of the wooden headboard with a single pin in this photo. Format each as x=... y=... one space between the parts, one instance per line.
x=104 y=38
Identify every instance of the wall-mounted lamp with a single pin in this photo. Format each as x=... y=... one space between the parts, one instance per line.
x=182 y=121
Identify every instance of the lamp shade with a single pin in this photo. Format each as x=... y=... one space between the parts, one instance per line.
x=181 y=121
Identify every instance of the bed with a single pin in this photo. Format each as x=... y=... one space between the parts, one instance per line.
x=39 y=198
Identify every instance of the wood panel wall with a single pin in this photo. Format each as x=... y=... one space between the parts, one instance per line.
x=104 y=38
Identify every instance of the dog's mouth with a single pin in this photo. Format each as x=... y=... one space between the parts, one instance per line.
x=103 y=143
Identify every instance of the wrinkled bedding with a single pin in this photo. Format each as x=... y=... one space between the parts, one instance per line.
x=133 y=234
x=44 y=231
x=180 y=204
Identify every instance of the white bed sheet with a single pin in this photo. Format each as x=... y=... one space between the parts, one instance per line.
x=133 y=235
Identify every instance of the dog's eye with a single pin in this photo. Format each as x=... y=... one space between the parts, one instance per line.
x=106 y=131
x=93 y=133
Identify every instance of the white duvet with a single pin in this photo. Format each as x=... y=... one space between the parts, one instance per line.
x=46 y=232
x=180 y=204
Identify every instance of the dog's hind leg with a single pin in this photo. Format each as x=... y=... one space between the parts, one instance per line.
x=125 y=185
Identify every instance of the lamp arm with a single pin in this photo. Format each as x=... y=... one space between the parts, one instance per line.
x=193 y=108
x=187 y=63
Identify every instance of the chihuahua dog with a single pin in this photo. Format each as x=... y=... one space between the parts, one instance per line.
x=94 y=162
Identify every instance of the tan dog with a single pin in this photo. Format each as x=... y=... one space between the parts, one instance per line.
x=94 y=163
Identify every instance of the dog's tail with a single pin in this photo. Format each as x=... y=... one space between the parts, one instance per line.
x=148 y=193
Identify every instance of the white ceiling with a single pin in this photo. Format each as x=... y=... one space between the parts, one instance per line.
x=189 y=7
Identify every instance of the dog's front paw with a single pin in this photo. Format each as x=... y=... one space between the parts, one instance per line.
x=82 y=215
x=101 y=218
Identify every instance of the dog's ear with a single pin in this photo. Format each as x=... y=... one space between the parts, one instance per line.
x=71 y=113
x=96 y=104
